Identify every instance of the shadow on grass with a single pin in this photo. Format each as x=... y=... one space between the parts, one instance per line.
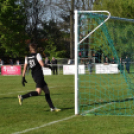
x=107 y=102
x=62 y=109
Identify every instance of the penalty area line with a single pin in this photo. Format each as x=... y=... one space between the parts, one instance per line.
x=44 y=125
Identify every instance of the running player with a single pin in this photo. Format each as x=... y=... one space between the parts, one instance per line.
x=35 y=62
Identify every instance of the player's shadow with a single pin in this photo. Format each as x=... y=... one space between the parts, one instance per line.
x=63 y=109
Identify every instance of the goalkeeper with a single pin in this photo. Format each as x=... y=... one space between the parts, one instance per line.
x=35 y=62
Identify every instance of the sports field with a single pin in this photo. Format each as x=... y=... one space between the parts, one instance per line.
x=34 y=116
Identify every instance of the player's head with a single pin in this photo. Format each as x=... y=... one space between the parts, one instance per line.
x=32 y=47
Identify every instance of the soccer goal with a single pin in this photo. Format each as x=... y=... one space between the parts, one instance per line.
x=102 y=43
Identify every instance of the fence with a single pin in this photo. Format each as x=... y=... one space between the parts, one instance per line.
x=87 y=67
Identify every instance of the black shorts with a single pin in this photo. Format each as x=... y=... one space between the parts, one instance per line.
x=40 y=83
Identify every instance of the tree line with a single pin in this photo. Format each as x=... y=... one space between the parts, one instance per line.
x=48 y=23
x=121 y=33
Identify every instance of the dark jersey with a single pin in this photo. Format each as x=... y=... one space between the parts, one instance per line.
x=54 y=61
x=36 y=69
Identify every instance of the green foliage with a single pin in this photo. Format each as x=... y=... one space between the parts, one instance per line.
x=12 y=28
x=14 y=33
x=52 y=51
x=55 y=44
x=120 y=8
x=121 y=33
x=117 y=33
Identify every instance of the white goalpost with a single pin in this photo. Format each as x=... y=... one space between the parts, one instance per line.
x=77 y=42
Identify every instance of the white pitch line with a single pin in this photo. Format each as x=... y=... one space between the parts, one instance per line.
x=53 y=122
x=44 y=125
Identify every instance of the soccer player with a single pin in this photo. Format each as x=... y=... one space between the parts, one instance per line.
x=35 y=62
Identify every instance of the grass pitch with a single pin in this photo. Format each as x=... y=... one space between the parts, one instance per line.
x=35 y=117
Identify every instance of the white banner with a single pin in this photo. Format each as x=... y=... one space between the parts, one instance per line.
x=106 y=69
x=46 y=71
x=70 y=69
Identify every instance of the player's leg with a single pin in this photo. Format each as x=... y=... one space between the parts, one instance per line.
x=48 y=99
x=47 y=96
x=91 y=67
x=53 y=70
x=32 y=93
x=56 y=70
x=27 y=95
x=127 y=69
x=38 y=90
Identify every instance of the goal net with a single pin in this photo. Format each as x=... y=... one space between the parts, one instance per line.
x=102 y=43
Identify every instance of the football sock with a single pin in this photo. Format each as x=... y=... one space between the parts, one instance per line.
x=48 y=99
x=32 y=93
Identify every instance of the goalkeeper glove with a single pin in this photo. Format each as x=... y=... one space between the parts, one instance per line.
x=23 y=81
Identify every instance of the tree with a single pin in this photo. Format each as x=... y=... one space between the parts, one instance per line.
x=43 y=28
x=35 y=12
x=12 y=28
x=120 y=32
x=51 y=51
x=53 y=39
x=67 y=8
x=120 y=8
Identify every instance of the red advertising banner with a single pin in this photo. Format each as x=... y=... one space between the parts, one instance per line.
x=11 y=70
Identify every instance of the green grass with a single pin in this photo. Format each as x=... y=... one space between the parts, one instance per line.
x=110 y=92
x=35 y=111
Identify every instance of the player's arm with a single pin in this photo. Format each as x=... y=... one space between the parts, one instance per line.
x=43 y=65
x=23 y=73
x=39 y=58
x=24 y=70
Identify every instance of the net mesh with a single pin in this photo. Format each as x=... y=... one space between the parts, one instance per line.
x=107 y=87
